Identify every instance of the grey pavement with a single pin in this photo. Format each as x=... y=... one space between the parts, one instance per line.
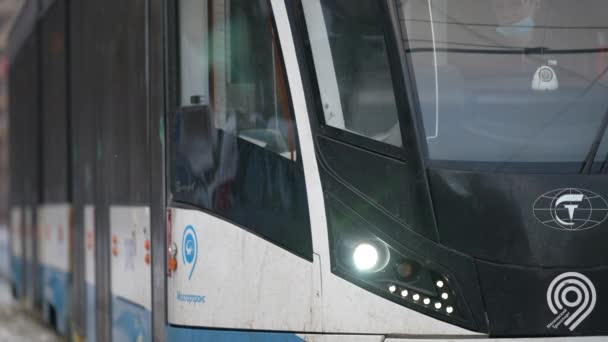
x=16 y=324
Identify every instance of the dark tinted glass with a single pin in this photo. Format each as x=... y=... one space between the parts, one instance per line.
x=521 y=81
x=234 y=151
x=55 y=146
x=350 y=56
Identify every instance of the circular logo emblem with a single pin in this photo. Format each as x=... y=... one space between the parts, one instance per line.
x=546 y=75
x=190 y=248
x=570 y=209
x=571 y=298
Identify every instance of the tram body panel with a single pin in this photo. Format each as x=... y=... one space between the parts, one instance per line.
x=341 y=338
x=346 y=189
x=465 y=339
x=378 y=158
x=54 y=229
x=342 y=302
x=189 y=334
x=30 y=263
x=130 y=273
x=226 y=277
x=379 y=316
x=343 y=308
x=238 y=161
x=16 y=250
x=89 y=271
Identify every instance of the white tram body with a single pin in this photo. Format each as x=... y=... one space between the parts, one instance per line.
x=311 y=170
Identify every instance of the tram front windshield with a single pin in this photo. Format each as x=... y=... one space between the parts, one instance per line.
x=498 y=82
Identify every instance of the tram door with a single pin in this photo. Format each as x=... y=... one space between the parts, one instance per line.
x=22 y=52
x=53 y=216
x=239 y=217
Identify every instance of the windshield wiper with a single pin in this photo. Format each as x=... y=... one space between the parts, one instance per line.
x=588 y=163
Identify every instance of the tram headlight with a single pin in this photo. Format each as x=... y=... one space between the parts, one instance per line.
x=368 y=256
x=393 y=272
x=365 y=257
x=400 y=277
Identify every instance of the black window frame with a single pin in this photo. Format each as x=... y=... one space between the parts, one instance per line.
x=409 y=127
x=411 y=155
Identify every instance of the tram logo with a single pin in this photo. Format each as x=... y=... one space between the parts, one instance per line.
x=190 y=249
x=571 y=298
x=571 y=209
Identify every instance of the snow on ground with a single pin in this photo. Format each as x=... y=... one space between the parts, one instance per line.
x=16 y=324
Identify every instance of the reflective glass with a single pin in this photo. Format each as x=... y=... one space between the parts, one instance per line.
x=349 y=50
x=234 y=148
x=509 y=80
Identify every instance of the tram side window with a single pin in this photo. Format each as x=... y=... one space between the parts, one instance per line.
x=234 y=140
x=194 y=57
x=349 y=51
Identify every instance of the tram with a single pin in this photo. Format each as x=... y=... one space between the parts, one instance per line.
x=311 y=170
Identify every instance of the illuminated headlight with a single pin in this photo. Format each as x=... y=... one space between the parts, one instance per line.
x=375 y=261
x=402 y=278
x=365 y=257
x=399 y=277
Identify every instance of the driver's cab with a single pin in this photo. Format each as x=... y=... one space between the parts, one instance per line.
x=424 y=168
x=506 y=81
